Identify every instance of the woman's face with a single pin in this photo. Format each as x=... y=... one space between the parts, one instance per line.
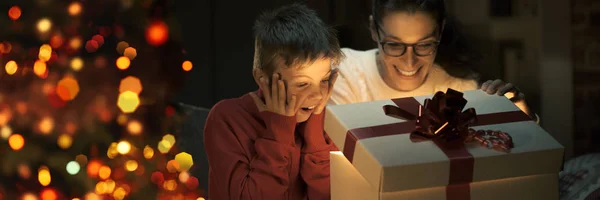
x=408 y=71
x=309 y=82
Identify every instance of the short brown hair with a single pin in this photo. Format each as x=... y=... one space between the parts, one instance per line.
x=293 y=35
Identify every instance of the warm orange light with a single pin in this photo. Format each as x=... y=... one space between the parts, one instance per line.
x=123 y=147
x=11 y=67
x=119 y=193
x=65 y=141
x=67 y=88
x=56 y=41
x=81 y=159
x=48 y=194
x=44 y=176
x=39 y=68
x=121 y=46
x=131 y=165
x=134 y=127
x=14 y=12
x=5 y=47
x=187 y=66
x=172 y=166
x=46 y=125
x=29 y=196
x=75 y=43
x=130 y=53
x=131 y=83
x=93 y=168
x=128 y=101
x=123 y=63
x=148 y=152
x=157 y=33
x=104 y=172
x=16 y=141
x=44 y=25
x=74 y=8
x=76 y=63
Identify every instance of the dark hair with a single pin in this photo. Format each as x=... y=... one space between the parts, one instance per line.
x=293 y=35
x=454 y=54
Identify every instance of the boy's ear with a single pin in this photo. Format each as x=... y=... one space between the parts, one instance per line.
x=257 y=73
x=372 y=29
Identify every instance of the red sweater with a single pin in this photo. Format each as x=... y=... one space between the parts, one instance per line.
x=264 y=155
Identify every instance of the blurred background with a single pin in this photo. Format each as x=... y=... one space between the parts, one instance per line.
x=106 y=99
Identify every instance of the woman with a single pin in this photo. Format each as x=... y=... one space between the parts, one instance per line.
x=419 y=53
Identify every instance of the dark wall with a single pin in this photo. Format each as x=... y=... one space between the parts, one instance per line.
x=218 y=39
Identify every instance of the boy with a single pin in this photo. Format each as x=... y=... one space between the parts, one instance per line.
x=270 y=144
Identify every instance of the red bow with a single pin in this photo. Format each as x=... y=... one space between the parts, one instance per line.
x=442 y=119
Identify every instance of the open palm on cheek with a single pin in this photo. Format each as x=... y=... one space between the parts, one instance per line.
x=509 y=90
x=319 y=109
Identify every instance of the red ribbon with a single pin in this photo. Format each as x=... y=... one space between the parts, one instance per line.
x=461 y=161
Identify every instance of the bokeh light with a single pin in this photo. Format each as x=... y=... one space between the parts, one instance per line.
x=67 y=88
x=185 y=161
x=123 y=147
x=29 y=196
x=104 y=172
x=148 y=152
x=14 y=12
x=131 y=165
x=44 y=25
x=5 y=132
x=44 y=176
x=172 y=166
x=40 y=68
x=76 y=63
x=128 y=101
x=130 y=53
x=134 y=127
x=75 y=42
x=74 y=8
x=93 y=168
x=73 y=167
x=187 y=65
x=46 y=125
x=123 y=63
x=65 y=141
x=56 y=41
x=49 y=194
x=157 y=33
x=121 y=46
x=131 y=83
x=11 y=67
x=16 y=142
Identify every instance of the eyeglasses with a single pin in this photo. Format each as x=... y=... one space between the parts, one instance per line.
x=397 y=49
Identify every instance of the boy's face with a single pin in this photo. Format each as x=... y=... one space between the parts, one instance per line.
x=309 y=82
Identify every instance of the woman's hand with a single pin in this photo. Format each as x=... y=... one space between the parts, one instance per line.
x=510 y=91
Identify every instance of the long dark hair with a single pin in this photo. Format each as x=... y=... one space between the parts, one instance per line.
x=454 y=54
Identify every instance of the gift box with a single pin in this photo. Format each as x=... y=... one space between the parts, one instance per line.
x=423 y=143
x=348 y=184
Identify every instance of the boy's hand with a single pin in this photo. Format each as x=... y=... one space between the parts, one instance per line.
x=276 y=98
x=325 y=99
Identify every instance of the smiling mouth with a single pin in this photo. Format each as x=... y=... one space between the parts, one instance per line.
x=310 y=108
x=407 y=73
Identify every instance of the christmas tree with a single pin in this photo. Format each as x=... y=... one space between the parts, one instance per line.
x=84 y=101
